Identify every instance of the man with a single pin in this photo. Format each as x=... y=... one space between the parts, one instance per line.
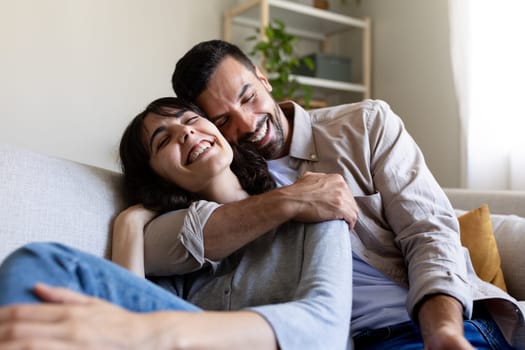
x=413 y=283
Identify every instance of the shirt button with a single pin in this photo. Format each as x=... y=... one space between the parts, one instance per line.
x=313 y=156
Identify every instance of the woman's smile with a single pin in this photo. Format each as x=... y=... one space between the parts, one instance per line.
x=202 y=147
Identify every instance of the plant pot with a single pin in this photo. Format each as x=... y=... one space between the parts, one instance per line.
x=321 y=4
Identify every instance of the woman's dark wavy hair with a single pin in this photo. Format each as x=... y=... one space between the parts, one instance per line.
x=143 y=185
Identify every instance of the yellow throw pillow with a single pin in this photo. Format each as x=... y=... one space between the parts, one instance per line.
x=477 y=236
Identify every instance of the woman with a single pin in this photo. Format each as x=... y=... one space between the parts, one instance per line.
x=289 y=289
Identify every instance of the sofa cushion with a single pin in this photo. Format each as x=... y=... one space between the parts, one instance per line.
x=478 y=237
x=51 y=199
x=509 y=231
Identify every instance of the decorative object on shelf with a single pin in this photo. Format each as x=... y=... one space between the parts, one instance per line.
x=327 y=67
x=279 y=58
x=318 y=27
x=321 y=4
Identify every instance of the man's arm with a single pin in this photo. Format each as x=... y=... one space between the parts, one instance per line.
x=180 y=242
x=426 y=230
x=441 y=322
x=314 y=197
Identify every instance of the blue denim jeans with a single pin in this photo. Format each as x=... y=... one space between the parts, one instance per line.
x=482 y=333
x=57 y=265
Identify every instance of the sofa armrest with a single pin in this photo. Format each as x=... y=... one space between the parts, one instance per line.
x=51 y=199
x=508 y=222
x=499 y=202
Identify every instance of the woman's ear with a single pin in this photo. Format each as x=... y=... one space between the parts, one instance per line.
x=262 y=78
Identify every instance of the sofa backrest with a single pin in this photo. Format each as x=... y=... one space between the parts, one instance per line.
x=51 y=199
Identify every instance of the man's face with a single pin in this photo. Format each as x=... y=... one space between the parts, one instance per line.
x=239 y=103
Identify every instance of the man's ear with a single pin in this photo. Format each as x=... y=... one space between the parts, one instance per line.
x=263 y=79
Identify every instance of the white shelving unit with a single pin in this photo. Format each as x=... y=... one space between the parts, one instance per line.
x=306 y=22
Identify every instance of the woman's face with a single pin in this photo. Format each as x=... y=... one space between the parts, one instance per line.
x=187 y=149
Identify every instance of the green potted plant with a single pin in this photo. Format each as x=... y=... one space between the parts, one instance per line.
x=278 y=59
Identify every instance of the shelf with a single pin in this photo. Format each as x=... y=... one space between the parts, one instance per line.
x=330 y=84
x=301 y=20
x=306 y=22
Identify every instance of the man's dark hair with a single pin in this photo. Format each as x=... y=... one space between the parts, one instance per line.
x=195 y=68
x=143 y=185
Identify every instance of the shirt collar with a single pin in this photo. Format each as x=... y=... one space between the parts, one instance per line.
x=302 y=146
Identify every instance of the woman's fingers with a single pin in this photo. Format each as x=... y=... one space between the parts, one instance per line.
x=42 y=344
x=75 y=321
x=60 y=295
x=26 y=330
x=31 y=313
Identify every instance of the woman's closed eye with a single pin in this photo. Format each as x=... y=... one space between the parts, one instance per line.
x=191 y=119
x=163 y=142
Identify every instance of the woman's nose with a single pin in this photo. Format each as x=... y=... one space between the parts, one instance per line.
x=182 y=133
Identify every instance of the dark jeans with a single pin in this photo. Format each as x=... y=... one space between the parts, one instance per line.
x=482 y=333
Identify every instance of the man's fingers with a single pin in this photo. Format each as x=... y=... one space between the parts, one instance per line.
x=350 y=217
x=60 y=295
x=319 y=197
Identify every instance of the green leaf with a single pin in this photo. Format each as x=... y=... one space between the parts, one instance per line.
x=279 y=58
x=309 y=63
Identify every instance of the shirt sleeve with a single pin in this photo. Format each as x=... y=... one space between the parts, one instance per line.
x=174 y=242
x=318 y=317
x=417 y=209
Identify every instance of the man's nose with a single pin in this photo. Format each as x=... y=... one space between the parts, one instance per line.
x=244 y=123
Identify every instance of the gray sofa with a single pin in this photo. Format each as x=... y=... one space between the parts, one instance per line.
x=51 y=199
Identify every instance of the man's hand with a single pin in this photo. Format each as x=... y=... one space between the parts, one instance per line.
x=447 y=339
x=321 y=197
x=441 y=321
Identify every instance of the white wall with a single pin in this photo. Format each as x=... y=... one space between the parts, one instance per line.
x=412 y=71
x=74 y=72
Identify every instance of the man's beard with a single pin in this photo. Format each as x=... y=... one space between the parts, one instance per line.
x=275 y=147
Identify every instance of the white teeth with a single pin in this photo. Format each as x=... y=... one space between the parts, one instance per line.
x=258 y=136
x=203 y=146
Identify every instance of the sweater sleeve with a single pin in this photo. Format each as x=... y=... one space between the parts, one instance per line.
x=319 y=315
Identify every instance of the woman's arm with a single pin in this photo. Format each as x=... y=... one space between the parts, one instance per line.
x=318 y=316
x=128 y=238
x=75 y=321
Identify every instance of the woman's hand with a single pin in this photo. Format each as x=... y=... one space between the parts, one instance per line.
x=134 y=215
x=73 y=321
x=70 y=320
x=128 y=238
